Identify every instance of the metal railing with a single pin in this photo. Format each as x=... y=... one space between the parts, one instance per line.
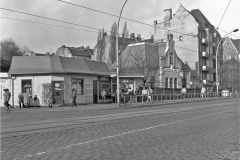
x=167 y=98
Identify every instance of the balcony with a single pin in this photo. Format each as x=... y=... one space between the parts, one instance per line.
x=205 y=68
x=205 y=54
x=204 y=41
x=205 y=81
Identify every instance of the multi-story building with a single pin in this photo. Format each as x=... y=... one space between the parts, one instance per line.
x=75 y=52
x=196 y=41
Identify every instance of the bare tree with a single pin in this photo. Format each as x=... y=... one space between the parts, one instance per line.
x=143 y=61
x=9 y=48
x=125 y=33
x=101 y=45
x=112 y=49
x=25 y=50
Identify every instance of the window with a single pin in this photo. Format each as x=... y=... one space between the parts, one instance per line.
x=77 y=84
x=180 y=38
x=171 y=58
x=27 y=86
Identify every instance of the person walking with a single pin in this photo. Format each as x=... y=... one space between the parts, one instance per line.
x=20 y=100
x=203 y=92
x=183 y=91
x=73 y=97
x=26 y=99
x=149 y=95
x=7 y=96
x=50 y=98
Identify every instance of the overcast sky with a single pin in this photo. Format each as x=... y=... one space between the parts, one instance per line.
x=42 y=38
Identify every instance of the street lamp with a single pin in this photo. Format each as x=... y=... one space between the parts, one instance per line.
x=217 y=83
x=118 y=100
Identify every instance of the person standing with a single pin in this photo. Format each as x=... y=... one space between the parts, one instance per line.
x=149 y=93
x=20 y=100
x=144 y=93
x=26 y=99
x=73 y=97
x=7 y=96
x=203 y=92
x=183 y=91
x=50 y=98
x=104 y=93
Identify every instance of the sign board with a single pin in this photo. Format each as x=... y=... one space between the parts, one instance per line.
x=181 y=74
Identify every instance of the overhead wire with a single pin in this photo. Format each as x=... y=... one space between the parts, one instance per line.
x=224 y=13
x=47 y=24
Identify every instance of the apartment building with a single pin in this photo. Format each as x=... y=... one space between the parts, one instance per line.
x=196 y=41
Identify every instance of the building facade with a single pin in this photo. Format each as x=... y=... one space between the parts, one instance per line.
x=61 y=75
x=231 y=49
x=196 y=41
x=231 y=75
x=75 y=52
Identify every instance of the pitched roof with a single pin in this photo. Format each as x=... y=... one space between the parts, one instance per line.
x=80 y=51
x=236 y=43
x=56 y=64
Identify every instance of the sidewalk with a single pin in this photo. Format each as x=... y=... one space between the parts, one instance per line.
x=111 y=106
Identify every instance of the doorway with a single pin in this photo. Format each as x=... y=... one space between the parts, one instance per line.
x=58 y=92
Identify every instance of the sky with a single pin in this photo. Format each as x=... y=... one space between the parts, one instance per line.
x=44 y=38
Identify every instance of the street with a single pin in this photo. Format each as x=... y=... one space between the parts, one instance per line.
x=195 y=130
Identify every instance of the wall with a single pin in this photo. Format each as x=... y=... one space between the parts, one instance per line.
x=87 y=96
x=182 y=22
x=37 y=82
x=5 y=83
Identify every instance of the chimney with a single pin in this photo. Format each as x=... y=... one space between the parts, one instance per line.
x=132 y=35
x=139 y=37
x=63 y=46
x=167 y=17
x=155 y=22
x=152 y=36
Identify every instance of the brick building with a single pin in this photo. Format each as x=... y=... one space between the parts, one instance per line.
x=231 y=49
x=196 y=40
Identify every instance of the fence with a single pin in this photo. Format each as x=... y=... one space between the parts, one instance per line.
x=178 y=97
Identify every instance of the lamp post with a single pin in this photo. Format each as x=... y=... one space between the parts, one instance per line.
x=117 y=60
x=217 y=83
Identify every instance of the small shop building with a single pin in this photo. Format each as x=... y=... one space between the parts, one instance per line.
x=36 y=75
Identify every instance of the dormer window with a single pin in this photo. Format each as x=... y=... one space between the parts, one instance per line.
x=180 y=38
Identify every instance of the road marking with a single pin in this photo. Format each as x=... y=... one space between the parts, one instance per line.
x=117 y=135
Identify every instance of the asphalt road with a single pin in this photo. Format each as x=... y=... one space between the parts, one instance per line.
x=198 y=130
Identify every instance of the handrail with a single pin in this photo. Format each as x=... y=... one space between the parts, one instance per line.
x=178 y=97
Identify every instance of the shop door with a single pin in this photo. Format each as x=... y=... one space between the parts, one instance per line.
x=58 y=92
x=95 y=92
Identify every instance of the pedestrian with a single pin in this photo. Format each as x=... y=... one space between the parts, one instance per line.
x=130 y=94
x=50 y=98
x=103 y=93
x=26 y=99
x=144 y=93
x=20 y=100
x=137 y=92
x=7 y=97
x=73 y=97
x=149 y=95
x=203 y=92
x=183 y=91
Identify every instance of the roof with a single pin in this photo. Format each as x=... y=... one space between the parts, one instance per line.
x=80 y=51
x=56 y=64
x=236 y=43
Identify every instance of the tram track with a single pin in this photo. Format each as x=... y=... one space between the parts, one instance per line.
x=67 y=123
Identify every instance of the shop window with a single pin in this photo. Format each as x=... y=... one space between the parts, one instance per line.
x=27 y=86
x=77 y=84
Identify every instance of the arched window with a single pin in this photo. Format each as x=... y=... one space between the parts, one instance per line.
x=184 y=82
x=166 y=83
x=175 y=83
x=171 y=83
